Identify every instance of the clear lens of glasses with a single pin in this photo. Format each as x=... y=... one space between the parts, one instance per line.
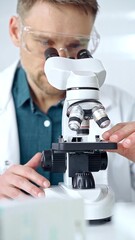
x=94 y=41
x=36 y=42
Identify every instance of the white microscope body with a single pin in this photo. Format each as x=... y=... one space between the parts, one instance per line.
x=74 y=155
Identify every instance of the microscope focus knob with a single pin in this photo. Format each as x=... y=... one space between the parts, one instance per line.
x=83 y=180
x=53 y=161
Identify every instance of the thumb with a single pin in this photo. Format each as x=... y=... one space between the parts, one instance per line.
x=34 y=161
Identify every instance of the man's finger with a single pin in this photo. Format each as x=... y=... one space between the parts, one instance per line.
x=119 y=131
x=35 y=161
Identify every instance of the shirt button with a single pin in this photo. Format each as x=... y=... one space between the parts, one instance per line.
x=47 y=123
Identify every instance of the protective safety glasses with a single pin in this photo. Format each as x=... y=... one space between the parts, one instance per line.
x=36 y=42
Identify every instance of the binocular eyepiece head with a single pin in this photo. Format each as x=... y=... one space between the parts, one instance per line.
x=52 y=52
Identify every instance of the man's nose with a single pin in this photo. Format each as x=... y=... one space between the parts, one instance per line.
x=63 y=52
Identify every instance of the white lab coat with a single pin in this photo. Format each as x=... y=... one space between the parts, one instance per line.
x=120 y=107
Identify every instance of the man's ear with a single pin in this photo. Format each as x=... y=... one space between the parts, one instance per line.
x=14 y=30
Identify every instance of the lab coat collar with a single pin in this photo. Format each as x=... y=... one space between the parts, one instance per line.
x=6 y=80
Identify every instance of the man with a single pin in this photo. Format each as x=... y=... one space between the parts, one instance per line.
x=30 y=108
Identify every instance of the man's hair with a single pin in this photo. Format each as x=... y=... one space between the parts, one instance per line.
x=23 y=6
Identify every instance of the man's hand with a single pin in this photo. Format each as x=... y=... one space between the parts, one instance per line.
x=23 y=177
x=124 y=135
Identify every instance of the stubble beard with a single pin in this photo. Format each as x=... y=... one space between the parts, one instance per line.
x=41 y=82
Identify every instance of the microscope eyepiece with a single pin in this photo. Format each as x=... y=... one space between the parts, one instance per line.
x=83 y=53
x=51 y=52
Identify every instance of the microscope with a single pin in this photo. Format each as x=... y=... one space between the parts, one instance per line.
x=74 y=155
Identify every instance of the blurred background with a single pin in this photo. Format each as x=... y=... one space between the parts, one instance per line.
x=116 y=25
x=8 y=52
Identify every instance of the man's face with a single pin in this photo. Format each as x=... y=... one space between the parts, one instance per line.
x=44 y=21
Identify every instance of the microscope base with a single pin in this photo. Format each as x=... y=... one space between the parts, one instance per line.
x=98 y=202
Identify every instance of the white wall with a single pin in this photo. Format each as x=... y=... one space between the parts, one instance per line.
x=116 y=25
x=8 y=52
